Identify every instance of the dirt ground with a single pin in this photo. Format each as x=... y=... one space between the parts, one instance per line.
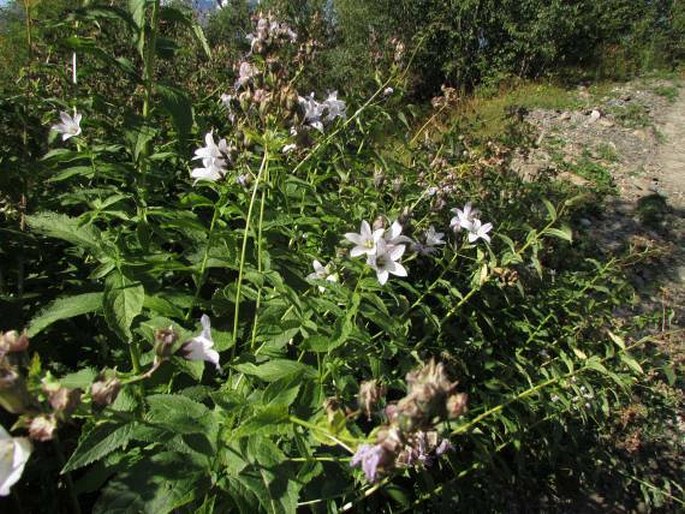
x=635 y=134
x=632 y=140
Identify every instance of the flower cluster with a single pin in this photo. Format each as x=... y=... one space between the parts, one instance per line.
x=214 y=160
x=410 y=437
x=318 y=113
x=466 y=219
x=382 y=247
x=269 y=33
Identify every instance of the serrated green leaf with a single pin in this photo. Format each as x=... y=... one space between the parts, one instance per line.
x=157 y=485
x=267 y=420
x=275 y=369
x=81 y=379
x=179 y=414
x=63 y=227
x=64 y=308
x=98 y=443
x=122 y=302
x=179 y=107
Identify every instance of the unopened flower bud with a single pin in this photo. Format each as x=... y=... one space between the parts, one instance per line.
x=378 y=223
x=42 y=428
x=14 y=397
x=164 y=342
x=456 y=405
x=378 y=179
x=370 y=393
x=13 y=342
x=105 y=390
x=64 y=401
x=405 y=216
x=397 y=185
x=390 y=439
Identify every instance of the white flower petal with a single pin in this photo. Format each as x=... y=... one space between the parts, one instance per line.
x=382 y=276
x=14 y=453
x=399 y=270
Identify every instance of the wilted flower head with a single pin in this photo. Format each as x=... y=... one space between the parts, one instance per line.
x=201 y=347
x=165 y=338
x=14 y=453
x=69 y=127
x=64 y=401
x=14 y=397
x=11 y=342
x=369 y=457
x=106 y=389
x=42 y=428
x=269 y=32
x=370 y=393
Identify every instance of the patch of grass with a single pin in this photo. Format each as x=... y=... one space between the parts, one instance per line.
x=487 y=111
x=632 y=115
x=668 y=92
x=607 y=152
x=596 y=173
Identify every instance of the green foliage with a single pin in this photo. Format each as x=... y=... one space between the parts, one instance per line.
x=263 y=410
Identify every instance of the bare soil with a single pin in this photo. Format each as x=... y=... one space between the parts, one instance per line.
x=633 y=139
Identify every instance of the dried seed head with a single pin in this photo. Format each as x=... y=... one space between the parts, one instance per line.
x=105 y=390
x=165 y=338
x=370 y=393
x=42 y=428
x=378 y=178
x=13 y=342
x=14 y=397
x=457 y=405
x=64 y=401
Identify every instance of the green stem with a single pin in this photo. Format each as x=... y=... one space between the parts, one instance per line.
x=322 y=431
x=259 y=267
x=151 y=50
x=134 y=352
x=205 y=257
x=241 y=270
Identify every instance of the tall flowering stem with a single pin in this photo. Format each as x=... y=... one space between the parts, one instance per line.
x=205 y=257
x=263 y=167
x=148 y=71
